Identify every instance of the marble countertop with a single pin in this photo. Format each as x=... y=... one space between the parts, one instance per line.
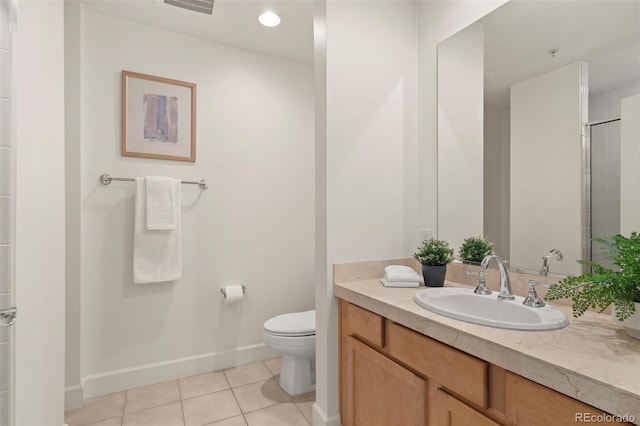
x=592 y=360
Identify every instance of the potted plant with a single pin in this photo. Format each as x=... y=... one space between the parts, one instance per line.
x=474 y=249
x=603 y=286
x=434 y=255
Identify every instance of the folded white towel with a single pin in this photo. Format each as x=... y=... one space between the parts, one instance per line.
x=399 y=283
x=157 y=255
x=400 y=273
x=160 y=203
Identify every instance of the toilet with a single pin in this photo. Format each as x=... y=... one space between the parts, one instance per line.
x=294 y=336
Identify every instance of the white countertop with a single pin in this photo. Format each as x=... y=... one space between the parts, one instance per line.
x=592 y=360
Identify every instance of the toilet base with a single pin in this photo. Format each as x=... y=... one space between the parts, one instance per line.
x=298 y=375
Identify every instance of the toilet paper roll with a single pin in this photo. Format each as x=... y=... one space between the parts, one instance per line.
x=233 y=294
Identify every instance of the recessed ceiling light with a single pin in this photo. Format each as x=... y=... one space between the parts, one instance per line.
x=269 y=19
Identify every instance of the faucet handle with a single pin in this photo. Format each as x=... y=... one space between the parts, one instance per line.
x=469 y=272
x=482 y=284
x=532 y=300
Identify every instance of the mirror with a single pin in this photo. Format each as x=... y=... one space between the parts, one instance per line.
x=497 y=69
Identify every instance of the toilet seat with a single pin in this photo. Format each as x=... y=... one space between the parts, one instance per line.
x=296 y=324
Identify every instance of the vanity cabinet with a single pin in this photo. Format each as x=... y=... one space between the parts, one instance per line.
x=450 y=411
x=391 y=375
x=382 y=392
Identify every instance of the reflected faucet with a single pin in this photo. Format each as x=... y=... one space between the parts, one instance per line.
x=545 y=260
x=505 y=287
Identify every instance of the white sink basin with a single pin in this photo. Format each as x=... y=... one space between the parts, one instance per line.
x=462 y=304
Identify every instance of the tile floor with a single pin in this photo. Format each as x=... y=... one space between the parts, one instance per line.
x=243 y=396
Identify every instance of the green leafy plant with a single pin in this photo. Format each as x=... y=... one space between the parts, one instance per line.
x=603 y=286
x=474 y=249
x=434 y=253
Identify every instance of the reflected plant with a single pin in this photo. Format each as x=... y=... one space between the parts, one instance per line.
x=474 y=249
x=603 y=286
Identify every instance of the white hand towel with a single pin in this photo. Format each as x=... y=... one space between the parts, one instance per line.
x=400 y=273
x=160 y=203
x=157 y=255
x=399 y=283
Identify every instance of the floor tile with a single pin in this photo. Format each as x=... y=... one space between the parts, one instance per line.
x=274 y=365
x=113 y=421
x=151 y=396
x=260 y=395
x=305 y=397
x=252 y=373
x=210 y=408
x=233 y=421
x=202 y=384
x=279 y=415
x=306 y=408
x=164 y=415
x=96 y=409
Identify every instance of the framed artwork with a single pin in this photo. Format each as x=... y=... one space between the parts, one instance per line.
x=158 y=117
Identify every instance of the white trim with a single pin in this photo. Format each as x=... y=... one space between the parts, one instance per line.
x=320 y=417
x=129 y=378
x=73 y=397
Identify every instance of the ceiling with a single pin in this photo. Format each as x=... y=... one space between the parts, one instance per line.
x=233 y=23
x=519 y=35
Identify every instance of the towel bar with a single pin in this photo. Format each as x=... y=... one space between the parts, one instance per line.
x=106 y=179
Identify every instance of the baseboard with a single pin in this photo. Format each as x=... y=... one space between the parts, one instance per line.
x=320 y=418
x=73 y=397
x=129 y=378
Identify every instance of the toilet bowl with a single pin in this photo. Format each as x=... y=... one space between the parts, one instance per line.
x=294 y=336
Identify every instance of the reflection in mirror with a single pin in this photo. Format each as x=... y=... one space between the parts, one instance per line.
x=543 y=168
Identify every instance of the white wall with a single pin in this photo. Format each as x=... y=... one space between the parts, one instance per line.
x=73 y=199
x=547 y=119
x=40 y=222
x=605 y=164
x=630 y=166
x=606 y=103
x=253 y=226
x=496 y=179
x=460 y=135
x=437 y=20
x=371 y=145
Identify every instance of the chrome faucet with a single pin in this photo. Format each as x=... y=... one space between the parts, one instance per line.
x=545 y=260
x=505 y=287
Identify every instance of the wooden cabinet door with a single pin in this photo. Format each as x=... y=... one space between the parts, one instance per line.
x=453 y=412
x=380 y=392
x=531 y=404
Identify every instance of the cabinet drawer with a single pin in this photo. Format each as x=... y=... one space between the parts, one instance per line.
x=456 y=371
x=531 y=404
x=364 y=324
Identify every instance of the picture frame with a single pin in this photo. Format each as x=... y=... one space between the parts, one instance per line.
x=158 y=117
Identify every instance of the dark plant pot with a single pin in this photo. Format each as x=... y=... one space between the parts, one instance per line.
x=434 y=275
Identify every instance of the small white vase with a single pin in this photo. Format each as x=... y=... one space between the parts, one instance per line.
x=631 y=324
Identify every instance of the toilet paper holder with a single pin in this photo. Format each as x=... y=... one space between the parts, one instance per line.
x=224 y=293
